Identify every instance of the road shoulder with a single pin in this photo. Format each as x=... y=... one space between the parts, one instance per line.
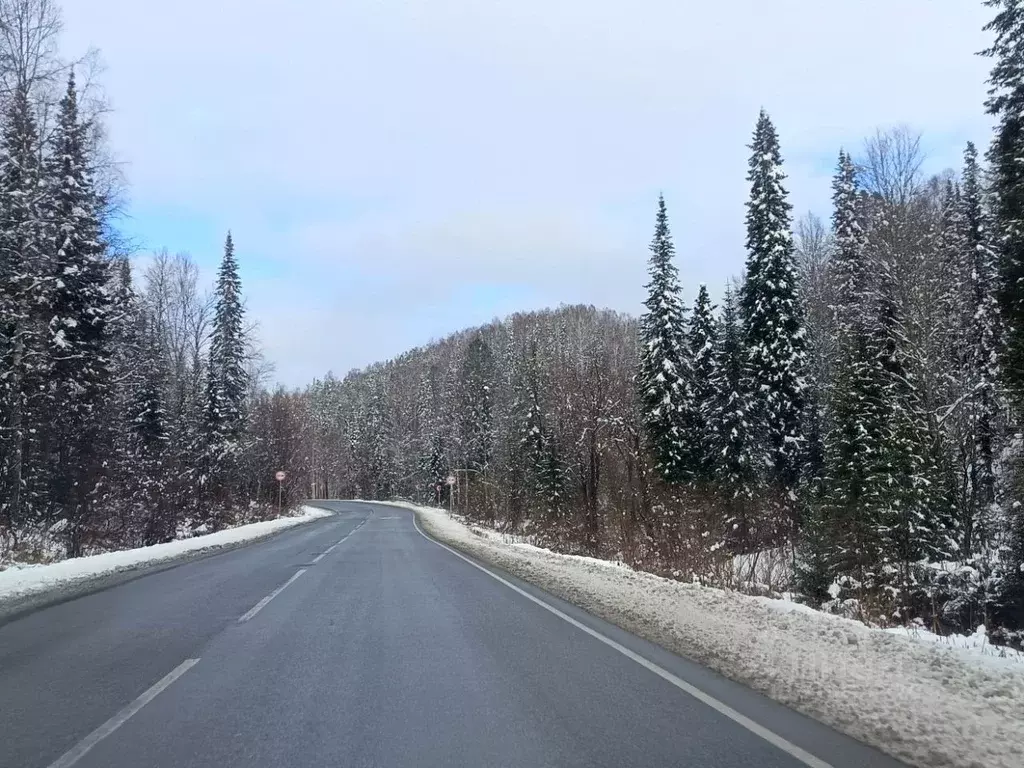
x=129 y=565
x=915 y=702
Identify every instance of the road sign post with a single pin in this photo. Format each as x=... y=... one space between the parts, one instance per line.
x=451 y=487
x=280 y=477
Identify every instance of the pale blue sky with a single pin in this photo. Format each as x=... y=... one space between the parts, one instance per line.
x=394 y=170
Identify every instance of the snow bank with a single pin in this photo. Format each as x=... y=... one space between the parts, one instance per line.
x=23 y=580
x=976 y=648
x=929 y=703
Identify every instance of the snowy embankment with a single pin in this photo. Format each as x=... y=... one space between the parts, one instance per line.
x=20 y=581
x=927 y=700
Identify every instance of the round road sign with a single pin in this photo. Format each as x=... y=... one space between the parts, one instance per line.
x=280 y=476
x=451 y=479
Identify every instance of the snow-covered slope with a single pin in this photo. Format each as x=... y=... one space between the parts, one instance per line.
x=922 y=700
x=24 y=580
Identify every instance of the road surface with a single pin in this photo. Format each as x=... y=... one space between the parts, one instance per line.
x=356 y=641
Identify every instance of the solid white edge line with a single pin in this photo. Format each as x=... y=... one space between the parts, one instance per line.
x=78 y=751
x=263 y=603
x=759 y=730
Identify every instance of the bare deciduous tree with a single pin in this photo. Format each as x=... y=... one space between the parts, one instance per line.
x=29 y=34
x=891 y=166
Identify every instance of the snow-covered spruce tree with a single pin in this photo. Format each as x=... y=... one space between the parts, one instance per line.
x=226 y=375
x=515 y=445
x=852 y=506
x=437 y=473
x=379 y=433
x=127 y=475
x=538 y=448
x=983 y=348
x=849 y=260
x=428 y=438
x=226 y=387
x=1006 y=103
x=25 y=405
x=702 y=336
x=772 y=312
x=663 y=380
x=952 y=282
x=975 y=420
x=78 y=334
x=952 y=376
x=551 y=478
x=915 y=524
x=358 y=437
x=150 y=437
x=449 y=409
x=477 y=383
x=814 y=251
x=730 y=422
x=840 y=533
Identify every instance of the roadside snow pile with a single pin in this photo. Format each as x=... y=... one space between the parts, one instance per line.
x=975 y=648
x=521 y=543
x=23 y=580
x=927 y=703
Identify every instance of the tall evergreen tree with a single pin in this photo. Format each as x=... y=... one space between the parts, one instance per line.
x=849 y=258
x=149 y=417
x=664 y=376
x=538 y=448
x=25 y=404
x=954 y=275
x=437 y=473
x=730 y=420
x=772 y=311
x=854 y=502
x=426 y=432
x=916 y=524
x=226 y=377
x=849 y=516
x=150 y=436
x=477 y=404
x=950 y=344
x=702 y=339
x=127 y=473
x=379 y=435
x=1006 y=103
x=226 y=386
x=984 y=334
x=78 y=334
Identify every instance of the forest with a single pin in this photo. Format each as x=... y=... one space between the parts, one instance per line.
x=840 y=423
x=131 y=405
x=843 y=426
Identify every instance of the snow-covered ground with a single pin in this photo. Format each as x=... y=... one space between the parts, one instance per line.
x=19 y=580
x=927 y=700
x=975 y=648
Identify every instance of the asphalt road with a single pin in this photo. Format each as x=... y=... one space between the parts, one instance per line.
x=376 y=647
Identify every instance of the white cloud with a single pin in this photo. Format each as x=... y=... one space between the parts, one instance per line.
x=422 y=145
